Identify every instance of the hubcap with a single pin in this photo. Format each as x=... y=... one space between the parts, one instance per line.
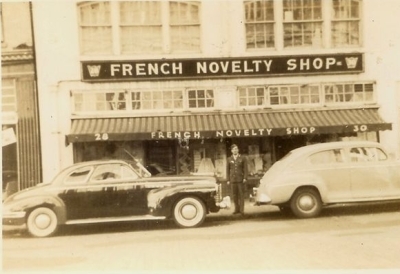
x=306 y=203
x=189 y=212
x=42 y=221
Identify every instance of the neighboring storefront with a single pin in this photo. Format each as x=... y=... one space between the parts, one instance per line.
x=21 y=156
x=20 y=121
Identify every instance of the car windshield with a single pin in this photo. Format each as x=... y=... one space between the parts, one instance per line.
x=139 y=168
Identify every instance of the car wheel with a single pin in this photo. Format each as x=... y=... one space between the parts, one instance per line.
x=306 y=203
x=189 y=212
x=42 y=222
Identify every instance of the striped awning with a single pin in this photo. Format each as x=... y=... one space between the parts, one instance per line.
x=227 y=125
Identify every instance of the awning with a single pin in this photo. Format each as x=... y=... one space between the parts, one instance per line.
x=227 y=125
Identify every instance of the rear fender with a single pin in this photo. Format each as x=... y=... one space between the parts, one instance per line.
x=162 y=201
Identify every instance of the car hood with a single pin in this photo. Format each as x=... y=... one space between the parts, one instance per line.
x=28 y=192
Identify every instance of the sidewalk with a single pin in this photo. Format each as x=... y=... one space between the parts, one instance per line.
x=249 y=209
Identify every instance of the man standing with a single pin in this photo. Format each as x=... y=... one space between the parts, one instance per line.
x=237 y=177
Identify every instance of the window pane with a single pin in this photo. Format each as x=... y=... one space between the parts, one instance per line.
x=141 y=39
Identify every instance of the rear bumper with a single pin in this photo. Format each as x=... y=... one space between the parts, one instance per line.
x=261 y=198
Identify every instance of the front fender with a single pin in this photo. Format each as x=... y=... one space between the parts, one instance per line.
x=30 y=203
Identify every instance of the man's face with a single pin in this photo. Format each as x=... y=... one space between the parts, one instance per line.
x=235 y=151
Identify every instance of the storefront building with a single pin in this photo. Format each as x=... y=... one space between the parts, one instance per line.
x=175 y=83
x=21 y=161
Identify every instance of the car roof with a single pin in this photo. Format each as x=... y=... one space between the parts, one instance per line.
x=99 y=162
x=332 y=145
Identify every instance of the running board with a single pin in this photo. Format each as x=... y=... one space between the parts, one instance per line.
x=114 y=219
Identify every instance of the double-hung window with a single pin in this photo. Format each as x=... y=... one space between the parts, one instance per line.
x=345 y=23
x=259 y=24
x=288 y=24
x=302 y=23
x=139 y=27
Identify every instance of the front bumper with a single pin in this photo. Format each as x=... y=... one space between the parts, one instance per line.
x=14 y=218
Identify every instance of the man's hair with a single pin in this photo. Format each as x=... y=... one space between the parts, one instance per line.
x=234 y=145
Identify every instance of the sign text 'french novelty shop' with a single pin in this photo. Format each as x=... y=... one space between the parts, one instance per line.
x=221 y=67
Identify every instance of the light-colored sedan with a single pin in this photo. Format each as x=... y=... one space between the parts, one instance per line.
x=314 y=176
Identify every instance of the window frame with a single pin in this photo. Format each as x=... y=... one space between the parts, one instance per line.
x=321 y=41
x=116 y=40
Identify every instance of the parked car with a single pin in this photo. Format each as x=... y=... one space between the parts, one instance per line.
x=314 y=176
x=111 y=191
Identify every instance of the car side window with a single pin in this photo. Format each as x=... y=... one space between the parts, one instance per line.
x=375 y=154
x=111 y=172
x=327 y=157
x=78 y=176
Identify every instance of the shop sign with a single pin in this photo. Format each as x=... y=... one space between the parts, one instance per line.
x=263 y=66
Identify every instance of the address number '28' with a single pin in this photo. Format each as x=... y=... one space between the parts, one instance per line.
x=101 y=136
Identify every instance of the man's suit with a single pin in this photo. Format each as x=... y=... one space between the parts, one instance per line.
x=236 y=173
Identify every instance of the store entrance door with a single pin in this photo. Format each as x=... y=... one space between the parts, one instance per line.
x=285 y=144
x=9 y=161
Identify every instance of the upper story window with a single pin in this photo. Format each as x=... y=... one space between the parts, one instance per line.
x=201 y=98
x=346 y=23
x=251 y=96
x=143 y=100
x=349 y=92
x=259 y=24
x=294 y=95
x=139 y=27
x=302 y=23
x=274 y=96
x=284 y=24
x=8 y=95
x=169 y=99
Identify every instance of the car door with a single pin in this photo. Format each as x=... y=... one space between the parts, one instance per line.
x=73 y=193
x=329 y=169
x=371 y=175
x=115 y=190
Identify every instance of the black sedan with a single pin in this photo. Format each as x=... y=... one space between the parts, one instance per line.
x=112 y=191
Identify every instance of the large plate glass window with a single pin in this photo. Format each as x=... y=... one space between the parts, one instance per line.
x=346 y=23
x=259 y=24
x=302 y=23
